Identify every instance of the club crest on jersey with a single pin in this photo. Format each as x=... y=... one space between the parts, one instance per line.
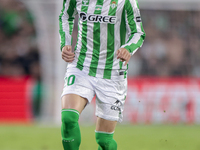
x=113 y=4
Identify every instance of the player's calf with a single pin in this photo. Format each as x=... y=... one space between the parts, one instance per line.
x=70 y=131
x=105 y=141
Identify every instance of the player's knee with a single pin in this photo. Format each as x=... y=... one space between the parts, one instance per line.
x=69 y=118
x=100 y=140
x=106 y=141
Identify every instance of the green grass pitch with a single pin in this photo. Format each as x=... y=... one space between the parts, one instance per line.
x=128 y=137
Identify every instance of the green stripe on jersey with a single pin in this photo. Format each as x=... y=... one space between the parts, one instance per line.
x=133 y=46
x=122 y=32
x=131 y=21
x=96 y=41
x=144 y=34
x=139 y=43
x=70 y=11
x=123 y=28
x=133 y=28
x=62 y=33
x=110 y=41
x=83 y=51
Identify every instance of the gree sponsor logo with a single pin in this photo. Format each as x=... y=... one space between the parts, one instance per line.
x=97 y=18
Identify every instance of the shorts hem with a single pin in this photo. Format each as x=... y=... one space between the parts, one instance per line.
x=77 y=93
x=106 y=117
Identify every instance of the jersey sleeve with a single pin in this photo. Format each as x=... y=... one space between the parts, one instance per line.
x=66 y=22
x=135 y=31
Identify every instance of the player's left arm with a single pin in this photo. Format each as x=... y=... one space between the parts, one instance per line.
x=136 y=34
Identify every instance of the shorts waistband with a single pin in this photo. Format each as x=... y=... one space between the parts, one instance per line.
x=116 y=74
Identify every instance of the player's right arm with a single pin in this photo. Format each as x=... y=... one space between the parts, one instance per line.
x=67 y=54
x=66 y=22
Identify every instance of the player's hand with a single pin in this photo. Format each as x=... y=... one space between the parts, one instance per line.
x=67 y=54
x=124 y=55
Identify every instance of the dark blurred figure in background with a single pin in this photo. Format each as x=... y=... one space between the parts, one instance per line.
x=19 y=54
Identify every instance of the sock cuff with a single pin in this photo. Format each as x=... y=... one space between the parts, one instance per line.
x=104 y=132
x=70 y=110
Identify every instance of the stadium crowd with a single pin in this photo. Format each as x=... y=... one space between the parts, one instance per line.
x=19 y=54
x=18 y=48
x=171 y=47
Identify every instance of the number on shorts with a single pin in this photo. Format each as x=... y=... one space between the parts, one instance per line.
x=71 y=80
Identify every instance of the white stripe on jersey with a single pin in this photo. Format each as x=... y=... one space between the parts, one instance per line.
x=103 y=36
x=79 y=43
x=91 y=9
x=65 y=25
x=128 y=32
x=117 y=33
x=78 y=6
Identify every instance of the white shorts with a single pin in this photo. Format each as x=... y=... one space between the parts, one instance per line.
x=110 y=94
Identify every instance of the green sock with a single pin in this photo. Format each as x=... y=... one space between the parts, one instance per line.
x=105 y=141
x=70 y=131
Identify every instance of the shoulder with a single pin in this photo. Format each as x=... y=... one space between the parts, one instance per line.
x=133 y=3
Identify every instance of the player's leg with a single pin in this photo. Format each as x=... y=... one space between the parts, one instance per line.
x=110 y=98
x=73 y=101
x=104 y=134
x=72 y=106
x=77 y=92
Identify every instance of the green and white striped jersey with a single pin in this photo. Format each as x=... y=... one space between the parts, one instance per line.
x=103 y=27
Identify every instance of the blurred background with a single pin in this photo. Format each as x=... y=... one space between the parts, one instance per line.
x=164 y=75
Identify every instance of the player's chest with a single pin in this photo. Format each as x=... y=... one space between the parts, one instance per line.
x=103 y=11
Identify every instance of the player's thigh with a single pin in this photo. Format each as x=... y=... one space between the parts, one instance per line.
x=105 y=125
x=73 y=101
x=77 y=91
x=110 y=99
